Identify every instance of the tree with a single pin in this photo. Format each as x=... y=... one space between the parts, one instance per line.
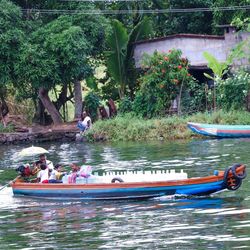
x=193 y=22
x=67 y=44
x=226 y=17
x=59 y=52
x=166 y=23
x=11 y=38
x=120 y=56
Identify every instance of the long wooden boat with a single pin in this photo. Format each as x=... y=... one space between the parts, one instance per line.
x=230 y=179
x=220 y=130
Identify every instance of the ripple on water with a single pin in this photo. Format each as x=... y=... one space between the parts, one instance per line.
x=162 y=223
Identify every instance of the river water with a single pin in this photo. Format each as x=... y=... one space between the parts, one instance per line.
x=221 y=221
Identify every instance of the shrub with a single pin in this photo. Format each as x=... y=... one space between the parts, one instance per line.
x=232 y=92
x=194 y=98
x=92 y=103
x=8 y=129
x=165 y=75
x=125 y=105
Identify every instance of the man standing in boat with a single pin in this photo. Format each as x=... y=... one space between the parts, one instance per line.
x=43 y=160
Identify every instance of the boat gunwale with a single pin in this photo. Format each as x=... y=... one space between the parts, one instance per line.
x=220 y=126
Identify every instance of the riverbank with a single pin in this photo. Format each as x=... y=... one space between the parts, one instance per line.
x=64 y=132
x=126 y=128
x=131 y=128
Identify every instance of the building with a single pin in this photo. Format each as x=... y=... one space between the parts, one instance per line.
x=193 y=46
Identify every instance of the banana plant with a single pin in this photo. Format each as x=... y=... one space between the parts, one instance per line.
x=119 y=58
x=219 y=69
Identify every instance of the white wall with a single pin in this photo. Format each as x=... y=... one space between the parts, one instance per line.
x=191 y=47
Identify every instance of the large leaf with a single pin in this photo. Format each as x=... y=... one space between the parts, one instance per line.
x=217 y=67
x=117 y=42
x=208 y=76
x=141 y=31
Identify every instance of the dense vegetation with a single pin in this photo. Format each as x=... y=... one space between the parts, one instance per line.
x=131 y=127
x=49 y=49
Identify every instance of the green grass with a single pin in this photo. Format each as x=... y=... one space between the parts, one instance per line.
x=7 y=129
x=6 y=175
x=132 y=128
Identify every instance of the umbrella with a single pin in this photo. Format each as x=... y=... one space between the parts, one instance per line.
x=32 y=151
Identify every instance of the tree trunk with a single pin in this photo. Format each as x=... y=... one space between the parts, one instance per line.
x=214 y=99
x=78 y=99
x=248 y=102
x=44 y=97
x=39 y=116
x=62 y=99
x=180 y=96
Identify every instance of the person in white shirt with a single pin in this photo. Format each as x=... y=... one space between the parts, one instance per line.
x=43 y=160
x=85 y=123
x=56 y=174
x=43 y=174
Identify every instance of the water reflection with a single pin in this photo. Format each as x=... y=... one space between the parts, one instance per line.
x=165 y=221
x=218 y=222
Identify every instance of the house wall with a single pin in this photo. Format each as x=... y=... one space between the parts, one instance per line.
x=232 y=40
x=192 y=47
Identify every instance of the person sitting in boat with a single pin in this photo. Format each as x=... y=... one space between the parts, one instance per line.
x=85 y=122
x=85 y=171
x=24 y=172
x=43 y=174
x=56 y=174
x=73 y=173
x=43 y=160
x=36 y=167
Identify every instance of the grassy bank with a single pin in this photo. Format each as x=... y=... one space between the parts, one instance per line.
x=8 y=129
x=132 y=128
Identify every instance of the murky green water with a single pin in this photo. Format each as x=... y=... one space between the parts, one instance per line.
x=218 y=222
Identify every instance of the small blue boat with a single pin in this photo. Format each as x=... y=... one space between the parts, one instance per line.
x=223 y=131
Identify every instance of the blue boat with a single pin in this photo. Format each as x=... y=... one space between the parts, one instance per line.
x=230 y=179
x=223 y=131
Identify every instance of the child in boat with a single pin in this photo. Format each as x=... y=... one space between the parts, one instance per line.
x=36 y=167
x=43 y=174
x=74 y=173
x=56 y=174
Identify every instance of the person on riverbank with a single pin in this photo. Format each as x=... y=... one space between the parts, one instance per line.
x=112 y=108
x=103 y=112
x=85 y=122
